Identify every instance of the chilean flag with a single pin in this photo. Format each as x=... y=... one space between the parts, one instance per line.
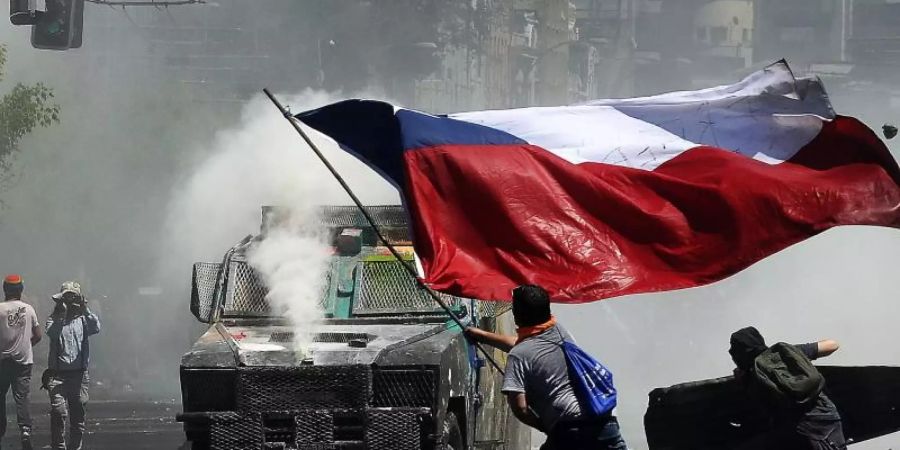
x=617 y=197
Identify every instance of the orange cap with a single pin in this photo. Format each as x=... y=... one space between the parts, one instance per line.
x=12 y=279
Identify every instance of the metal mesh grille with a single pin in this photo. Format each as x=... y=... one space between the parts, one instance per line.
x=314 y=427
x=386 y=287
x=203 y=288
x=403 y=388
x=350 y=216
x=321 y=447
x=492 y=308
x=313 y=387
x=392 y=221
x=373 y=428
x=332 y=338
x=232 y=431
x=246 y=292
x=395 y=429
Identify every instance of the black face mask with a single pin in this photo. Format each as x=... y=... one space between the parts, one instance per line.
x=746 y=345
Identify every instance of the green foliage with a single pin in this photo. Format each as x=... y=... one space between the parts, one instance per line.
x=22 y=109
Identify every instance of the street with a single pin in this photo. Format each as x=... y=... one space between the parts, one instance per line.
x=110 y=426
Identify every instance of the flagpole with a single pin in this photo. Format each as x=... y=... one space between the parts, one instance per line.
x=409 y=268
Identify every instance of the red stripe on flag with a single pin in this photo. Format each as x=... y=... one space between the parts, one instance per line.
x=487 y=219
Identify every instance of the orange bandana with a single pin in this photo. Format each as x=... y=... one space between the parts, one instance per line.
x=534 y=330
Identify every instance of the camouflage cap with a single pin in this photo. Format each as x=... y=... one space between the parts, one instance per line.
x=69 y=286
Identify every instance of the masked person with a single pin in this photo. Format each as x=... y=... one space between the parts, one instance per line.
x=68 y=328
x=18 y=333
x=537 y=385
x=812 y=424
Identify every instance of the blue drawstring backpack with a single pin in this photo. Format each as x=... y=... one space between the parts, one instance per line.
x=591 y=380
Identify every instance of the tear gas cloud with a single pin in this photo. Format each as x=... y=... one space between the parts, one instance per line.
x=262 y=161
x=292 y=260
x=139 y=181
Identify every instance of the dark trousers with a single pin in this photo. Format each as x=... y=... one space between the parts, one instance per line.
x=824 y=436
x=17 y=376
x=68 y=397
x=828 y=436
x=596 y=434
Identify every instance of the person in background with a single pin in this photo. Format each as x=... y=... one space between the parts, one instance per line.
x=537 y=385
x=67 y=380
x=19 y=332
x=816 y=426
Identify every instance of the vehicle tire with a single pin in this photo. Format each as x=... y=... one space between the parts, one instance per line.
x=451 y=434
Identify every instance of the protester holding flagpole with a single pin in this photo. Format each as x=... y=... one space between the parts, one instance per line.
x=543 y=383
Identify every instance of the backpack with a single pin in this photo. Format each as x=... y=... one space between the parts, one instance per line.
x=591 y=380
x=788 y=377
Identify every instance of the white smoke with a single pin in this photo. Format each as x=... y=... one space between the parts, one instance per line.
x=261 y=162
x=264 y=162
x=292 y=259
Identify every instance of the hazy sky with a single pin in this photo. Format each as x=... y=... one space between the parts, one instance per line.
x=134 y=185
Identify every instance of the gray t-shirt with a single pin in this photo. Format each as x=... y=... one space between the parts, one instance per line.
x=17 y=320
x=537 y=367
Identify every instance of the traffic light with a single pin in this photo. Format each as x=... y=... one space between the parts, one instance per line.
x=59 y=28
x=24 y=12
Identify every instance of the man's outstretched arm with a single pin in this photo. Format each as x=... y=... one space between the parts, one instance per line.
x=501 y=342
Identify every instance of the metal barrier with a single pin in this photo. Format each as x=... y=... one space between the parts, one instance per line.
x=404 y=387
x=310 y=387
x=394 y=428
x=370 y=429
x=349 y=216
x=246 y=292
x=234 y=431
x=383 y=287
x=203 y=288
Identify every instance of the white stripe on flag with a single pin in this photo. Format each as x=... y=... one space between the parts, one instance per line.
x=581 y=134
x=768 y=116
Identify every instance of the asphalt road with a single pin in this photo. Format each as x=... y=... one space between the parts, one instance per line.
x=110 y=426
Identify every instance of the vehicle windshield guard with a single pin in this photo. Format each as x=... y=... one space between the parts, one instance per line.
x=365 y=284
x=377 y=288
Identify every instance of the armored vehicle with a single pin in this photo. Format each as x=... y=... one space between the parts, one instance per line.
x=387 y=369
